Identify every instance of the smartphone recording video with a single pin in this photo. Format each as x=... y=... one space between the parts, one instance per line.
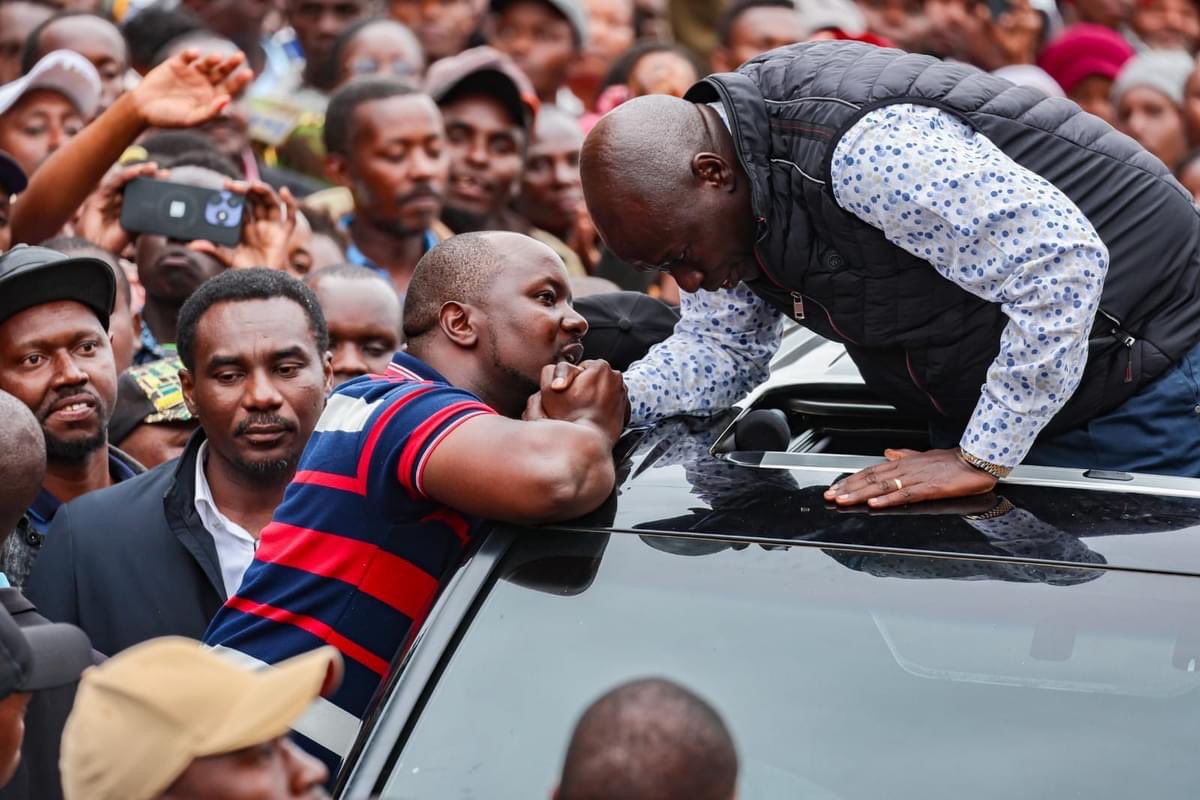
x=183 y=212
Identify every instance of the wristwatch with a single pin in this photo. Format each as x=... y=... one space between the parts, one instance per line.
x=995 y=470
x=999 y=510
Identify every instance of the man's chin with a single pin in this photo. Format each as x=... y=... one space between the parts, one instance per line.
x=75 y=448
x=265 y=469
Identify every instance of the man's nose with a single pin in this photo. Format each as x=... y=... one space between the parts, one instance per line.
x=329 y=25
x=690 y=280
x=477 y=150
x=260 y=392
x=67 y=372
x=565 y=174
x=574 y=323
x=304 y=772
x=348 y=360
x=423 y=167
x=519 y=44
x=55 y=136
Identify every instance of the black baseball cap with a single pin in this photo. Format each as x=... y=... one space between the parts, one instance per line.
x=33 y=276
x=12 y=177
x=623 y=326
x=40 y=656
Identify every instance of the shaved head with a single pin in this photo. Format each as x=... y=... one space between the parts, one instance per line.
x=650 y=739
x=460 y=269
x=22 y=460
x=642 y=150
x=490 y=311
x=664 y=185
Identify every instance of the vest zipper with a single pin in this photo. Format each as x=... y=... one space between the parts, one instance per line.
x=1126 y=339
x=1129 y=342
x=798 y=305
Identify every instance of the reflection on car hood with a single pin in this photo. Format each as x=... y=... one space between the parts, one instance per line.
x=671 y=484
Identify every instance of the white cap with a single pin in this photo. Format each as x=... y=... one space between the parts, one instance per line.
x=819 y=15
x=63 y=71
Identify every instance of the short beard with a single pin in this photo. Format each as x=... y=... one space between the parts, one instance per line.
x=461 y=221
x=73 y=451
x=512 y=383
x=269 y=472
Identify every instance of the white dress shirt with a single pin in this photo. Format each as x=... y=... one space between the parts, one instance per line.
x=235 y=546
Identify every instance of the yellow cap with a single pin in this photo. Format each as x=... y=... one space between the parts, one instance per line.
x=141 y=717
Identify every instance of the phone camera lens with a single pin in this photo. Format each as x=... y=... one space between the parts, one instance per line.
x=234 y=201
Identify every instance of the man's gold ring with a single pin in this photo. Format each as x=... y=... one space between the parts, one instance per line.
x=899 y=485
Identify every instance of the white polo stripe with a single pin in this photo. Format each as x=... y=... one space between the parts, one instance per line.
x=346 y=414
x=332 y=727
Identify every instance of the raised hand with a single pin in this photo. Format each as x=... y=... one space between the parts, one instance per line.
x=268 y=222
x=188 y=90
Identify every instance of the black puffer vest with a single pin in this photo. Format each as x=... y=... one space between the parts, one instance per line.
x=919 y=340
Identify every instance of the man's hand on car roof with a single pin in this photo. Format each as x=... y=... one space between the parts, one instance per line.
x=910 y=476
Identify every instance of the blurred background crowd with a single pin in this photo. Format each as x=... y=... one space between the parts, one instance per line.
x=515 y=85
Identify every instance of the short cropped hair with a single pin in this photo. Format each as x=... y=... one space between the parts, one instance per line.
x=71 y=245
x=242 y=285
x=339 y=123
x=153 y=28
x=347 y=271
x=212 y=160
x=462 y=268
x=29 y=52
x=650 y=738
x=738 y=7
x=165 y=144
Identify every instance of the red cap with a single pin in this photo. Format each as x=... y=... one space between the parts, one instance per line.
x=1082 y=51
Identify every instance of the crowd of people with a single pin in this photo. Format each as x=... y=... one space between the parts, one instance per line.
x=480 y=238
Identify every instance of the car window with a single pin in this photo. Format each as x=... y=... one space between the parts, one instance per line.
x=842 y=673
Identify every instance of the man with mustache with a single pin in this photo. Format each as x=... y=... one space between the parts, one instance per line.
x=386 y=144
x=404 y=467
x=253 y=343
x=56 y=357
x=489 y=107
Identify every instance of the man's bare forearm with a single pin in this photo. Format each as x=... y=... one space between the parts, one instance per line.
x=64 y=181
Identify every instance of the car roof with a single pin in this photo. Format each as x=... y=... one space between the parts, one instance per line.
x=672 y=483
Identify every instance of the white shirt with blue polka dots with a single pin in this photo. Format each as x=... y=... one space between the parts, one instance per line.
x=949 y=196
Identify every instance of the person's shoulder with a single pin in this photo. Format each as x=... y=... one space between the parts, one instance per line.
x=368 y=402
x=127 y=497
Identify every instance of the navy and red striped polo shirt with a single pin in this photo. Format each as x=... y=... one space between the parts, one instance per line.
x=356 y=551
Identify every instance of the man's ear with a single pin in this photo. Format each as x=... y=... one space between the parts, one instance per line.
x=327 y=366
x=337 y=170
x=714 y=170
x=188 y=384
x=458 y=323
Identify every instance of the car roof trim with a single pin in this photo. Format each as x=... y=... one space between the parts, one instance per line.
x=1023 y=475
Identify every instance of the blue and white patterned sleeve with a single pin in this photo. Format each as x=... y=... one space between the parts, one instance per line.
x=951 y=197
x=720 y=350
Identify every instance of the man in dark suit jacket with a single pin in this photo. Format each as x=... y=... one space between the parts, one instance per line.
x=157 y=555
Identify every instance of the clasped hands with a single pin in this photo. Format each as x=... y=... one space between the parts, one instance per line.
x=591 y=393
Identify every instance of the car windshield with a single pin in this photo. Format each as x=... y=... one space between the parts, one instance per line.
x=842 y=673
